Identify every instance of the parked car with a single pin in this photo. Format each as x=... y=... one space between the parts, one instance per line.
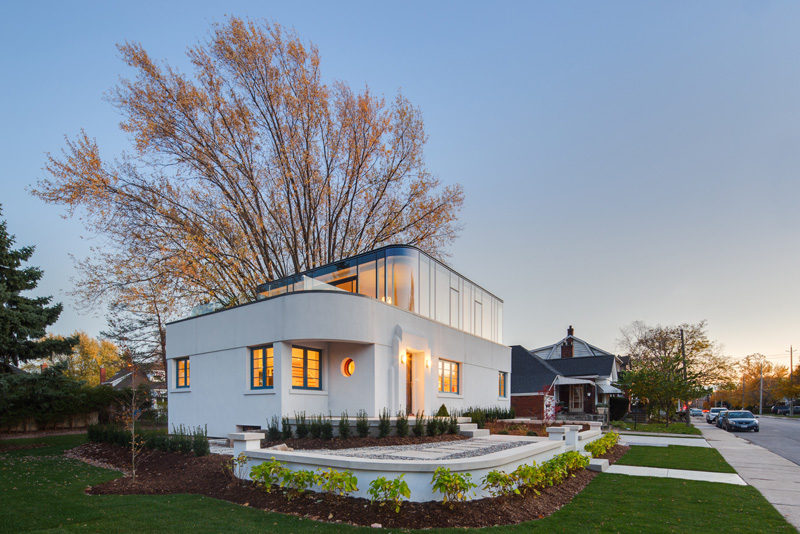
x=695 y=412
x=720 y=415
x=712 y=414
x=739 y=420
x=784 y=410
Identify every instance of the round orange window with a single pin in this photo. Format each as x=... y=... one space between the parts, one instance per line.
x=348 y=367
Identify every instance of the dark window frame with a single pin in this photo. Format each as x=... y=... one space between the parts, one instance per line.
x=186 y=374
x=263 y=366
x=503 y=384
x=305 y=368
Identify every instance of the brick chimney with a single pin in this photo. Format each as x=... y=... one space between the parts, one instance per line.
x=566 y=347
x=102 y=374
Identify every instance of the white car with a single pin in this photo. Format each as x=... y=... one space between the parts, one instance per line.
x=712 y=414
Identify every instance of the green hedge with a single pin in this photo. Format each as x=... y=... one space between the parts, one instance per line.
x=181 y=440
x=481 y=416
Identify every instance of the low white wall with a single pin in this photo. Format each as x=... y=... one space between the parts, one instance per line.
x=417 y=474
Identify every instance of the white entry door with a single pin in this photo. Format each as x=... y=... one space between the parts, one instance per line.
x=576 y=398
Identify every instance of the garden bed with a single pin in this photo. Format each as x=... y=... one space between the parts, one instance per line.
x=355 y=442
x=161 y=473
x=523 y=429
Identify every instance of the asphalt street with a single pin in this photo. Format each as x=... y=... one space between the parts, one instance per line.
x=780 y=435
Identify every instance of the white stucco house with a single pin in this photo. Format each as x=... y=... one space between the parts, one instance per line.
x=392 y=328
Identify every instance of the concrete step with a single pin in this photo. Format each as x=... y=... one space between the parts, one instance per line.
x=464 y=419
x=467 y=426
x=477 y=433
x=598 y=464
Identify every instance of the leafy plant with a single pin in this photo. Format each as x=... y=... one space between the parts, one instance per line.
x=362 y=424
x=344 y=426
x=298 y=481
x=337 y=482
x=529 y=478
x=454 y=487
x=401 y=425
x=273 y=429
x=236 y=467
x=268 y=474
x=384 y=424
x=419 y=424
x=302 y=426
x=286 y=428
x=602 y=445
x=326 y=428
x=500 y=483
x=385 y=490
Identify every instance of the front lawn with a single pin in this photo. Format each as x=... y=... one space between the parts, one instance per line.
x=673 y=428
x=47 y=492
x=677 y=457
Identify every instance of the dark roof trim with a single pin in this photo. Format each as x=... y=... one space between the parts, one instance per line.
x=381 y=249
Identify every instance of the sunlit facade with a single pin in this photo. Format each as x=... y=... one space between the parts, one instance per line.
x=405 y=277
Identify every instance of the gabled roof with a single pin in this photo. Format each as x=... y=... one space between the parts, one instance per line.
x=581 y=349
x=529 y=373
x=125 y=379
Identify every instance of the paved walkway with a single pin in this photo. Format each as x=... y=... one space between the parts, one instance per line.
x=777 y=478
x=685 y=474
x=660 y=434
x=659 y=441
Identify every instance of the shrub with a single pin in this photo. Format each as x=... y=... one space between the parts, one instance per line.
x=601 y=445
x=531 y=433
x=393 y=491
x=338 y=482
x=298 y=481
x=362 y=424
x=481 y=416
x=419 y=424
x=286 y=428
x=236 y=467
x=529 y=478
x=302 y=427
x=315 y=427
x=453 y=486
x=432 y=426
x=200 y=442
x=504 y=431
x=500 y=483
x=273 y=430
x=401 y=426
x=268 y=474
x=442 y=411
x=326 y=428
x=384 y=425
x=344 y=426
x=452 y=425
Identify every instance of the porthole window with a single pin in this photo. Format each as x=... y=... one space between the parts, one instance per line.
x=348 y=367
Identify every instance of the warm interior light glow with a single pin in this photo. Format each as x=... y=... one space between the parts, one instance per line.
x=403 y=358
x=348 y=367
x=428 y=362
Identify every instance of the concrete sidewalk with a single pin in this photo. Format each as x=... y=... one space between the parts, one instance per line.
x=777 y=478
x=685 y=474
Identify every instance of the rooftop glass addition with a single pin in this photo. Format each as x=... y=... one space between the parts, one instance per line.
x=405 y=277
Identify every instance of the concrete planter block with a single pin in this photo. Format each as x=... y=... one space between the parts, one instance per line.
x=598 y=464
x=246 y=441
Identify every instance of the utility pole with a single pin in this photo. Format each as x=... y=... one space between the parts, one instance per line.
x=683 y=358
x=761 y=395
x=742 y=391
x=791 y=382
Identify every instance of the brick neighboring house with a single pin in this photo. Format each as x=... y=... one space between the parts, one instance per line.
x=571 y=371
x=133 y=377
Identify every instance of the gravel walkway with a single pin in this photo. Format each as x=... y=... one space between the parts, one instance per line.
x=448 y=450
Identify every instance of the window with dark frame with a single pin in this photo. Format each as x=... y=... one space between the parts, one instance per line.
x=261 y=367
x=182 y=372
x=306 y=367
x=502 y=384
x=448 y=376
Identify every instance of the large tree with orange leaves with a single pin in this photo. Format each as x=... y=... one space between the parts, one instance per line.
x=247 y=170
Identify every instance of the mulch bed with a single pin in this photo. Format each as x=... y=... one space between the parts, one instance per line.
x=159 y=473
x=354 y=442
x=522 y=429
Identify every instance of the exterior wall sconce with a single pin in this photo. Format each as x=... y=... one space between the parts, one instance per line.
x=403 y=357
x=427 y=362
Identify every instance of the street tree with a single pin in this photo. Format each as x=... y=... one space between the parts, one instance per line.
x=24 y=320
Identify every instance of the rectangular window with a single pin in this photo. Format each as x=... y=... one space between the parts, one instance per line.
x=306 y=367
x=261 y=367
x=502 y=384
x=182 y=372
x=448 y=376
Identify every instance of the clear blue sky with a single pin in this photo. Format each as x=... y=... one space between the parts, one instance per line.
x=621 y=160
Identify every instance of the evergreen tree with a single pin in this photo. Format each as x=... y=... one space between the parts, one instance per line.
x=23 y=320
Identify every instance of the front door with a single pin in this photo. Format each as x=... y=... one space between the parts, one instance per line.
x=409 y=385
x=576 y=398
